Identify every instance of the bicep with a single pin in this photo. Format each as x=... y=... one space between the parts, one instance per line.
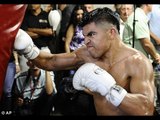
x=143 y=82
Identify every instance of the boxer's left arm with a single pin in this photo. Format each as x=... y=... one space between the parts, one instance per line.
x=96 y=79
x=140 y=99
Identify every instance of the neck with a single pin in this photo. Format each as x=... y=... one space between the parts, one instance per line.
x=113 y=53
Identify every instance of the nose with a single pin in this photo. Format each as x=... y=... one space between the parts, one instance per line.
x=86 y=40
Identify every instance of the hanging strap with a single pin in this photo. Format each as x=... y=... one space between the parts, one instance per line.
x=25 y=83
x=35 y=82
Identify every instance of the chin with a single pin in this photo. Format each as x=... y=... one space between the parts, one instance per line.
x=94 y=55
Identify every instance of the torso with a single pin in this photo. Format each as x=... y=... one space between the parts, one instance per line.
x=123 y=76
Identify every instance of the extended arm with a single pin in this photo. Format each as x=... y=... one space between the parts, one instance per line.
x=24 y=45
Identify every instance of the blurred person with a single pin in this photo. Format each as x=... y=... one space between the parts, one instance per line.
x=54 y=19
x=89 y=7
x=142 y=33
x=33 y=92
x=124 y=11
x=53 y=16
x=74 y=37
x=12 y=69
x=48 y=7
x=36 y=24
x=66 y=11
x=154 y=22
x=154 y=17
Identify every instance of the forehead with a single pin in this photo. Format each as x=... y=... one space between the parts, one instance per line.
x=88 y=5
x=90 y=27
x=79 y=11
x=130 y=6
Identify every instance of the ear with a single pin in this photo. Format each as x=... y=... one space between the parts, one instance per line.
x=112 y=32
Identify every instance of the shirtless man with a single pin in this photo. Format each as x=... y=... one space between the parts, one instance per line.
x=129 y=68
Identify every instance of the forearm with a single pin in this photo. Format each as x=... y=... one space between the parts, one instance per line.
x=157 y=40
x=136 y=104
x=148 y=46
x=54 y=62
x=45 y=61
x=16 y=57
x=32 y=34
x=48 y=83
x=42 y=31
x=16 y=61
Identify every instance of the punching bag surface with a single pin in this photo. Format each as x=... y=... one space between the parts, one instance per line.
x=11 y=16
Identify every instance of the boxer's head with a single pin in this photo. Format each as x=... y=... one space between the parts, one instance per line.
x=101 y=16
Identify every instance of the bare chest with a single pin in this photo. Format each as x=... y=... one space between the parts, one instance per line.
x=120 y=73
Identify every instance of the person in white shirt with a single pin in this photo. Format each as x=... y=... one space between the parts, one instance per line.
x=124 y=10
x=154 y=23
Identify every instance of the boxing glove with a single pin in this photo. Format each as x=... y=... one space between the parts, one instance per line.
x=24 y=45
x=98 y=80
x=54 y=19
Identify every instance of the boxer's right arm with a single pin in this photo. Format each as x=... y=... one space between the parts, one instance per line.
x=24 y=45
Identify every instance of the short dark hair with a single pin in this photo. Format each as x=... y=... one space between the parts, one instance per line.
x=99 y=15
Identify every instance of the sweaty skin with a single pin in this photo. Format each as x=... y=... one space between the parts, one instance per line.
x=130 y=68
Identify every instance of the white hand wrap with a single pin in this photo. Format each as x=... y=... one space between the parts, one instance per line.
x=24 y=45
x=116 y=95
x=96 y=79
